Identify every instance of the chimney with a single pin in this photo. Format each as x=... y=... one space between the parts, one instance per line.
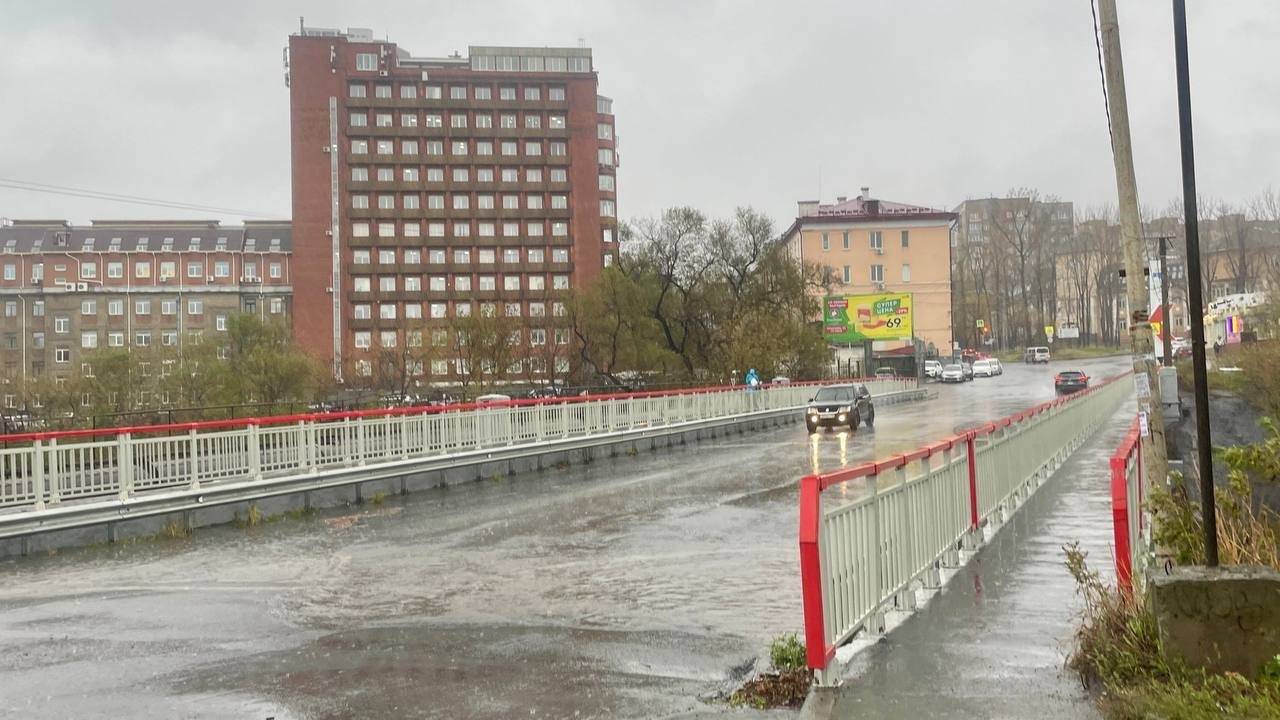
x=840 y=199
x=808 y=207
x=866 y=193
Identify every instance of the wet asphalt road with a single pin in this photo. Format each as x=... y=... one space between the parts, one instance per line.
x=627 y=588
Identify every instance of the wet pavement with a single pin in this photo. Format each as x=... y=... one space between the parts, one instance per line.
x=993 y=642
x=632 y=587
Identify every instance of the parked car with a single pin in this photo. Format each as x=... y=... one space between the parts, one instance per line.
x=886 y=373
x=952 y=373
x=547 y=391
x=1069 y=381
x=968 y=370
x=839 y=406
x=780 y=380
x=400 y=400
x=1036 y=355
x=997 y=366
x=439 y=397
x=983 y=368
x=932 y=369
x=493 y=399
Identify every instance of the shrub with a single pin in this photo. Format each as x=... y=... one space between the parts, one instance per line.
x=787 y=653
x=1248 y=532
x=1260 y=366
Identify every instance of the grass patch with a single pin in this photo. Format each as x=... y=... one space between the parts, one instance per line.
x=302 y=513
x=1235 y=383
x=1258 y=378
x=252 y=517
x=175 y=529
x=379 y=498
x=785 y=687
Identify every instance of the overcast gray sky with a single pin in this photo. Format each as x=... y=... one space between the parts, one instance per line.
x=718 y=103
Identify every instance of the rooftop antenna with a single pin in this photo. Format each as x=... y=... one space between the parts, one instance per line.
x=302 y=29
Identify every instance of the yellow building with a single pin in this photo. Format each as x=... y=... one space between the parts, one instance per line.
x=869 y=245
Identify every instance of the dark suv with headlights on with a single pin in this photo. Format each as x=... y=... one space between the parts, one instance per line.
x=840 y=406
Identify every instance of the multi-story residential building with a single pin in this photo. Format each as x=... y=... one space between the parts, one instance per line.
x=1090 y=294
x=869 y=245
x=67 y=290
x=1004 y=254
x=429 y=189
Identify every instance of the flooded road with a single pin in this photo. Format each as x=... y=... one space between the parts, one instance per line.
x=629 y=587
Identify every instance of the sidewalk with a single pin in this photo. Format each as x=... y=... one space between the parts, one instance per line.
x=993 y=643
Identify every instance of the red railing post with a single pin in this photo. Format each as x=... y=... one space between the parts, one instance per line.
x=815 y=633
x=1120 y=520
x=969 y=442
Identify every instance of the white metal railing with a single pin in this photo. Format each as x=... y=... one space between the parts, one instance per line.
x=863 y=552
x=48 y=468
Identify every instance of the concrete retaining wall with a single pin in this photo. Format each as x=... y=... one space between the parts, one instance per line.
x=1224 y=619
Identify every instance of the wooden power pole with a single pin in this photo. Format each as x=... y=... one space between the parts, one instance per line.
x=1145 y=369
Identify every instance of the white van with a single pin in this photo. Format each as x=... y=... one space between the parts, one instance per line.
x=1036 y=355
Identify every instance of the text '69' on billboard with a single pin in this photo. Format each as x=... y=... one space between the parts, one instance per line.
x=857 y=318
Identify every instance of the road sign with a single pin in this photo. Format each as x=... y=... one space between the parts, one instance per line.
x=1048 y=330
x=981 y=322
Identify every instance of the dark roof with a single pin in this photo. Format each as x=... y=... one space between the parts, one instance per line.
x=871 y=207
x=143 y=236
x=860 y=209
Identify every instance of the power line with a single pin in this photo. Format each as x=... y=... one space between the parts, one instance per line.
x=117 y=197
x=1097 y=42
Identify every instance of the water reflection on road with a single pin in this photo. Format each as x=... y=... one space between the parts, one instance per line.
x=624 y=588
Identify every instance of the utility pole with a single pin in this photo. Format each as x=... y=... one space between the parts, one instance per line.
x=1140 y=336
x=1204 y=447
x=1165 y=338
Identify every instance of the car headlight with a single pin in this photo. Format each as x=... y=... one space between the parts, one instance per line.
x=840 y=417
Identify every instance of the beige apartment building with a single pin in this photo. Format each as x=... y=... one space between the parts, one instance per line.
x=869 y=245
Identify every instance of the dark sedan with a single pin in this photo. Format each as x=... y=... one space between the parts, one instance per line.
x=1069 y=381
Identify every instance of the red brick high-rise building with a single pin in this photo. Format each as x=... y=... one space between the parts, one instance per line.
x=428 y=189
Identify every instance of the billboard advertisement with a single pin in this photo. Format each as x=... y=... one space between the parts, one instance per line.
x=859 y=318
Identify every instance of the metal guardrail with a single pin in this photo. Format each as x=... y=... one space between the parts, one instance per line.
x=126 y=464
x=1132 y=528
x=863 y=553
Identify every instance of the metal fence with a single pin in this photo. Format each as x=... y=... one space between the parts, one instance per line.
x=1129 y=522
x=40 y=469
x=863 y=550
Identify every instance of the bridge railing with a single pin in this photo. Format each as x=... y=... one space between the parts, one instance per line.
x=38 y=469
x=1132 y=530
x=863 y=549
